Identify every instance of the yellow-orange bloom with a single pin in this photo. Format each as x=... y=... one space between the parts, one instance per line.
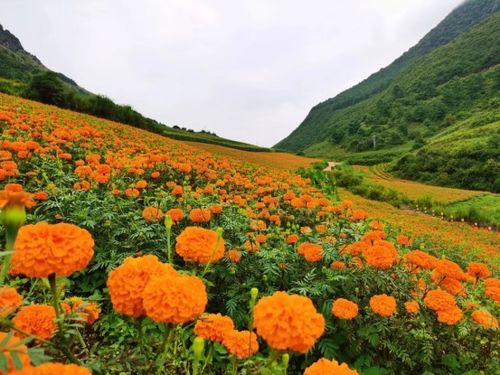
x=439 y=300
x=241 y=344
x=54 y=369
x=126 y=283
x=383 y=305
x=151 y=214
x=37 y=320
x=200 y=215
x=485 y=319
x=450 y=269
x=43 y=249
x=10 y=300
x=324 y=366
x=213 y=327
x=451 y=316
x=480 y=270
x=200 y=245
x=176 y=214
x=382 y=255
x=174 y=298
x=412 y=307
x=344 y=309
x=311 y=252
x=288 y=322
x=12 y=345
x=13 y=195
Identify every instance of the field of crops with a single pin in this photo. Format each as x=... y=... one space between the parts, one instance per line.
x=415 y=190
x=130 y=253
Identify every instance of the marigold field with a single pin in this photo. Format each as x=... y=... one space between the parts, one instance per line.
x=125 y=252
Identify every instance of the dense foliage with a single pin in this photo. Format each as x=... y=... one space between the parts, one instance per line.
x=228 y=236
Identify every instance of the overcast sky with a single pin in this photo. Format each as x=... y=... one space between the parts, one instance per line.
x=247 y=70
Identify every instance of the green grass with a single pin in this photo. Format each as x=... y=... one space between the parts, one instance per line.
x=480 y=209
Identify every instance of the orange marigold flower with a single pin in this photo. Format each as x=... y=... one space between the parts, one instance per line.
x=403 y=240
x=213 y=327
x=132 y=193
x=196 y=244
x=358 y=215
x=421 y=259
x=355 y=248
x=12 y=345
x=241 y=344
x=10 y=300
x=43 y=249
x=151 y=214
x=13 y=195
x=292 y=238
x=200 y=215
x=373 y=236
x=311 y=252
x=215 y=209
x=41 y=195
x=324 y=366
x=251 y=246
x=382 y=255
x=288 y=322
x=141 y=184
x=176 y=214
x=53 y=369
x=479 y=270
x=492 y=289
x=126 y=283
x=450 y=316
x=174 y=298
x=234 y=255
x=450 y=269
x=383 y=305
x=485 y=319
x=412 y=307
x=37 y=320
x=337 y=265
x=344 y=309
x=86 y=311
x=376 y=225
x=439 y=300
x=451 y=285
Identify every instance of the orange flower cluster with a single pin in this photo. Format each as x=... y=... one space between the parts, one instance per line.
x=479 y=270
x=10 y=300
x=87 y=312
x=54 y=369
x=213 y=327
x=200 y=215
x=37 y=320
x=151 y=214
x=126 y=283
x=310 y=251
x=13 y=345
x=382 y=255
x=383 y=305
x=412 y=307
x=485 y=319
x=241 y=344
x=201 y=245
x=444 y=305
x=174 y=298
x=43 y=249
x=492 y=289
x=324 y=366
x=288 y=322
x=344 y=309
x=450 y=269
x=176 y=214
x=419 y=258
x=234 y=255
x=13 y=195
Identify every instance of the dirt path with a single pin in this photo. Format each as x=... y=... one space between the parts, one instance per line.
x=331 y=165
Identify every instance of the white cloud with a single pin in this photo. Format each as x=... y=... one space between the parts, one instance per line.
x=247 y=69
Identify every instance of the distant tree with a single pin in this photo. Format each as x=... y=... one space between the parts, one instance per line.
x=47 y=88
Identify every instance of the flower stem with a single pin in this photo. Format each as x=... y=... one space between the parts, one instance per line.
x=55 y=294
x=10 y=238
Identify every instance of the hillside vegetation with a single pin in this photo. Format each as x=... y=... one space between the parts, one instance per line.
x=434 y=95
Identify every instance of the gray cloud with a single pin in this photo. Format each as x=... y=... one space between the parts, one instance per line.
x=248 y=70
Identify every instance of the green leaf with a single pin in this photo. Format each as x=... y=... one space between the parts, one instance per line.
x=450 y=360
x=18 y=364
x=3 y=363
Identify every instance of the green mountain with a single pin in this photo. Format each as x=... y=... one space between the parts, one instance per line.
x=23 y=74
x=434 y=90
